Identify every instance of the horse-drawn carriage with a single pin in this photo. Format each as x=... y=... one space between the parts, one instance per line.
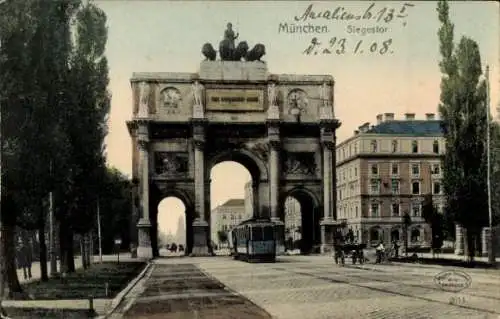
x=349 y=250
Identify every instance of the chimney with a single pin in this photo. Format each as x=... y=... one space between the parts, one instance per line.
x=364 y=128
x=380 y=118
x=430 y=116
x=389 y=116
x=409 y=116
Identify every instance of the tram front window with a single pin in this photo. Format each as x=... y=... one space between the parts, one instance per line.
x=257 y=233
x=268 y=233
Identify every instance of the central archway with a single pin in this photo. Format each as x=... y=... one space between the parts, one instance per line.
x=310 y=217
x=231 y=201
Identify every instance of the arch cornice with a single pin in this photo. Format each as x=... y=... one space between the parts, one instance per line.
x=253 y=163
x=299 y=191
x=182 y=194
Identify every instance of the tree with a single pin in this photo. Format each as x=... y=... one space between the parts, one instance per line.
x=406 y=222
x=435 y=220
x=463 y=111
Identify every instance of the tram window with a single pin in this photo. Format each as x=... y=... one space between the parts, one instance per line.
x=268 y=233
x=257 y=233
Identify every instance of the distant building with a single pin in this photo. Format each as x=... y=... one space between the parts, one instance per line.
x=249 y=200
x=293 y=218
x=226 y=216
x=384 y=171
x=180 y=235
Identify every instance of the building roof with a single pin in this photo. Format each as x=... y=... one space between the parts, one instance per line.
x=408 y=127
x=234 y=202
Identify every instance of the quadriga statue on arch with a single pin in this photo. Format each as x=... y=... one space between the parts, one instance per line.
x=228 y=51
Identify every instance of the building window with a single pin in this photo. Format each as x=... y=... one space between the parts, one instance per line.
x=374 y=169
x=374 y=209
x=436 y=169
x=374 y=146
x=394 y=146
x=436 y=188
x=414 y=147
x=415 y=235
x=374 y=186
x=355 y=149
x=355 y=172
x=415 y=210
x=356 y=211
x=395 y=209
x=415 y=170
x=395 y=168
x=395 y=186
x=415 y=188
x=435 y=147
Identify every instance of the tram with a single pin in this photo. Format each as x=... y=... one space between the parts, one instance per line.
x=253 y=240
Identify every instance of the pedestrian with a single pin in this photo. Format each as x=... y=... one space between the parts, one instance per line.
x=396 y=249
x=380 y=252
x=24 y=258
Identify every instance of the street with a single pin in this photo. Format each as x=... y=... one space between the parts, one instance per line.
x=313 y=287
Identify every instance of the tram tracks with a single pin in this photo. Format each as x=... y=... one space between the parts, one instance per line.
x=394 y=291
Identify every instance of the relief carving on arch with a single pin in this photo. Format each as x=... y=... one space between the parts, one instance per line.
x=171 y=163
x=299 y=163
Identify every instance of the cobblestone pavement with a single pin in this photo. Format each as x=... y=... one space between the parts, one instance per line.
x=183 y=291
x=313 y=287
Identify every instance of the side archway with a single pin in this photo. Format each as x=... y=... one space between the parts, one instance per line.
x=157 y=195
x=310 y=216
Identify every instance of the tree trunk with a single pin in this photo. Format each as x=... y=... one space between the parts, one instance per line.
x=88 y=253
x=3 y=278
x=43 y=249
x=71 y=252
x=9 y=262
x=405 y=234
x=82 y=251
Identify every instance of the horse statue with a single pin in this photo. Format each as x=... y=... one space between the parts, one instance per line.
x=209 y=52
x=240 y=51
x=258 y=51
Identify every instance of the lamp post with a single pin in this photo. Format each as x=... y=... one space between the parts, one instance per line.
x=491 y=251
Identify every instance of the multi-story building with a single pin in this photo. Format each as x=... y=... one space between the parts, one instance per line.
x=226 y=216
x=386 y=170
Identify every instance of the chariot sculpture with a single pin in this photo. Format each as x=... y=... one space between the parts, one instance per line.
x=229 y=52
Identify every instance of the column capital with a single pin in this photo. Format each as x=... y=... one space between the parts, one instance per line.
x=143 y=144
x=199 y=144
x=330 y=124
x=328 y=144
x=275 y=145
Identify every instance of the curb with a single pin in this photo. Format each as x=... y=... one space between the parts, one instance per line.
x=119 y=298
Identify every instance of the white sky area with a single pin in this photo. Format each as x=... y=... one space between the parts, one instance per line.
x=167 y=36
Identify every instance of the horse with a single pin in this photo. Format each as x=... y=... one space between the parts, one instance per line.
x=258 y=51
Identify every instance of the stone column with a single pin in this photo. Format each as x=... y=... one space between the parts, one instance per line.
x=459 y=240
x=144 y=249
x=274 y=178
x=255 y=200
x=200 y=225
x=328 y=223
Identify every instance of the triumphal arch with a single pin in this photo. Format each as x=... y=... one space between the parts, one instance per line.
x=281 y=127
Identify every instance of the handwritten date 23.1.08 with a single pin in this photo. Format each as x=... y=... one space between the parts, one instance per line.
x=341 y=46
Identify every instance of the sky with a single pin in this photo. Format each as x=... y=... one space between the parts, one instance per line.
x=166 y=36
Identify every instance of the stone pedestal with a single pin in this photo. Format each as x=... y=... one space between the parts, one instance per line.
x=328 y=227
x=144 y=250
x=200 y=239
x=459 y=240
x=279 y=233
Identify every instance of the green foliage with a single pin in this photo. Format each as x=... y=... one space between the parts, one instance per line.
x=115 y=209
x=463 y=110
x=435 y=220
